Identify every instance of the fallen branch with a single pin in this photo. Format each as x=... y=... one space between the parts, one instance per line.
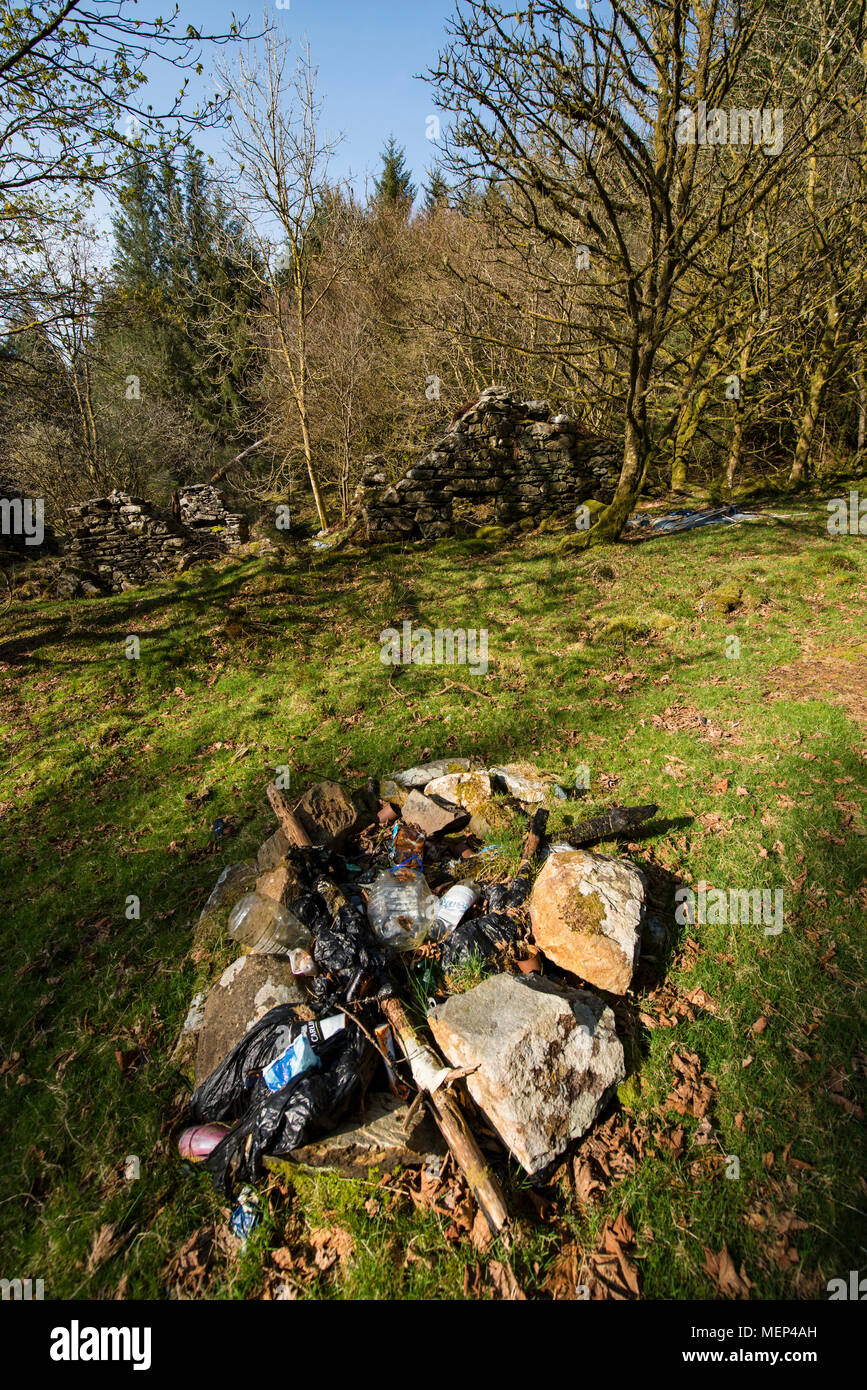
x=535 y=838
x=429 y=1073
x=289 y=824
x=617 y=821
x=221 y=472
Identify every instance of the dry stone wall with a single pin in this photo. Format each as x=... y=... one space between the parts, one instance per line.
x=123 y=541
x=512 y=454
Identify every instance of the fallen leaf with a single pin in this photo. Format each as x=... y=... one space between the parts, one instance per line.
x=105 y=1243
x=331 y=1244
x=504 y=1282
x=721 y=1269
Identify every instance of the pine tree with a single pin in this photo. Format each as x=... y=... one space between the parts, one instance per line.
x=394 y=187
x=170 y=237
x=436 y=192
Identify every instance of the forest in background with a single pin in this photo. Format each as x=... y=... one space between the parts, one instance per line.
x=654 y=218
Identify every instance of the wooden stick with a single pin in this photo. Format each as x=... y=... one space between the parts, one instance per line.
x=535 y=836
x=427 y=1067
x=289 y=824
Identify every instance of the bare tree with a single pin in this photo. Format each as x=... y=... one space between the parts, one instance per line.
x=279 y=159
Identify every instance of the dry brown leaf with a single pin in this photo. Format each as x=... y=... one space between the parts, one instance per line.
x=561 y=1281
x=609 y=1270
x=721 y=1269
x=105 y=1243
x=505 y=1284
x=331 y=1244
x=481 y=1234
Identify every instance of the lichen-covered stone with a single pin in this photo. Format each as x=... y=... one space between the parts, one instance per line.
x=545 y=1059
x=587 y=912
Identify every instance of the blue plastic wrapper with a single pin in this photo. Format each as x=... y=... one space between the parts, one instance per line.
x=245 y=1214
x=298 y=1058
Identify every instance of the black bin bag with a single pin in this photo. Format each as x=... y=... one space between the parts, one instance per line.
x=275 y=1122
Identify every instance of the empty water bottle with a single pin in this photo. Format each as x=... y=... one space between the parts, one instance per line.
x=400 y=912
x=265 y=926
x=454 y=904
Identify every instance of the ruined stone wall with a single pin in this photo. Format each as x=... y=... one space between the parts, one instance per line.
x=509 y=453
x=124 y=541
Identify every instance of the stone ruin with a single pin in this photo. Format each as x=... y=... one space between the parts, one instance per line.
x=512 y=456
x=121 y=541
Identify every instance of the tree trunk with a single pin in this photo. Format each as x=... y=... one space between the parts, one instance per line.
x=815 y=395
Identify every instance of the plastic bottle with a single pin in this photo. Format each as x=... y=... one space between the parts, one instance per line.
x=265 y=926
x=245 y=1214
x=454 y=905
x=400 y=912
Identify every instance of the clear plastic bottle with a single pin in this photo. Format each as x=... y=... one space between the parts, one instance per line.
x=265 y=926
x=400 y=911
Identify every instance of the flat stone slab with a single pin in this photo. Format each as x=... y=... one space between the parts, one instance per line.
x=420 y=776
x=376 y=1139
x=546 y=1058
x=433 y=815
x=472 y=791
x=244 y=993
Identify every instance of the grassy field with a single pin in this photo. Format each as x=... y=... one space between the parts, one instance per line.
x=619 y=660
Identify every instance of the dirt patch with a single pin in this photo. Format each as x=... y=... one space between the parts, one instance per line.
x=837 y=674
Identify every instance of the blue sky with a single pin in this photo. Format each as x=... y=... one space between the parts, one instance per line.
x=367 y=55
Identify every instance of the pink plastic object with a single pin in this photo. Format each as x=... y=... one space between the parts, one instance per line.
x=195 y=1144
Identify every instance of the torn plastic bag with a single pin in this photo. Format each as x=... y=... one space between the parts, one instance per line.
x=225 y=1093
x=312 y=910
x=275 y=1122
x=468 y=939
x=352 y=963
x=519 y=891
x=502 y=896
x=481 y=936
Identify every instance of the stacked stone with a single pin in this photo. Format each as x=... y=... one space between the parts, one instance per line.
x=507 y=452
x=202 y=509
x=124 y=540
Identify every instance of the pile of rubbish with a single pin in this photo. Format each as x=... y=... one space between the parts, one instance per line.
x=685 y=519
x=384 y=973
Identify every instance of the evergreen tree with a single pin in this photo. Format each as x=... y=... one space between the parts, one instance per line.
x=173 y=271
x=436 y=192
x=394 y=187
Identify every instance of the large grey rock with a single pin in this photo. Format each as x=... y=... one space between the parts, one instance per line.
x=587 y=912
x=546 y=1055
x=379 y=1138
x=244 y=993
x=420 y=776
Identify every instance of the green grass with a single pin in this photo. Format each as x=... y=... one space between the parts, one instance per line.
x=280 y=657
